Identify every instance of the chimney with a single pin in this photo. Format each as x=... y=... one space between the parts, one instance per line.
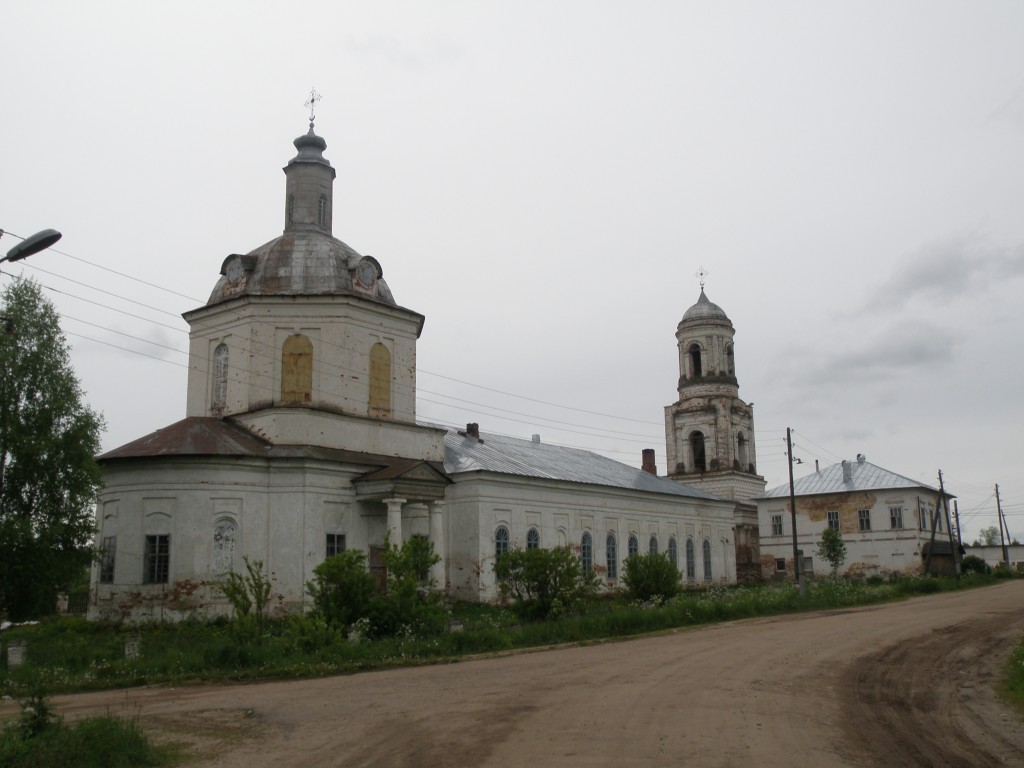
x=536 y=439
x=861 y=458
x=473 y=430
x=648 y=464
x=847 y=472
x=816 y=469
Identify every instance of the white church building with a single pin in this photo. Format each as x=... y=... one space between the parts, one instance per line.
x=300 y=439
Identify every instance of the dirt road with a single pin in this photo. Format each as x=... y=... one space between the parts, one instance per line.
x=905 y=684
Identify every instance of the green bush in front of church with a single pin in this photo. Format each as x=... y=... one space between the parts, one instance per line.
x=651 y=576
x=544 y=583
x=342 y=588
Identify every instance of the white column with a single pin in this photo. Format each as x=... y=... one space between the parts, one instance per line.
x=395 y=521
x=437 y=571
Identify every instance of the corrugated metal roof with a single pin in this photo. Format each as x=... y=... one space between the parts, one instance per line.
x=864 y=476
x=513 y=456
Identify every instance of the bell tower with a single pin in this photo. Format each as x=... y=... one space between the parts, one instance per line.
x=709 y=430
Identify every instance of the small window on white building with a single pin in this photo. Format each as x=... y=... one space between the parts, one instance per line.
x=923 y=515
x=220 y=378
x=691 y=564
x=895 y=517
x=864 y=519
x=500 y=542
x=780 y=565
x=107 y=559
x=334 y=545
x=533 y=539
x=587 y=552
x=707 y=560
x=611 y=557
x=776 y=525
x=673 y=552
x=224 y=546
x=833 y=519
x=633 y=546
x=652 y=545
x=156 y=560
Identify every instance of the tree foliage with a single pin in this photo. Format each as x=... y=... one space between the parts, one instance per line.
x=989 y=536
x=48 y=473
x=342 y=588
x=832 y=549
x=651 y=575
x=248 y=594
x=544 y=582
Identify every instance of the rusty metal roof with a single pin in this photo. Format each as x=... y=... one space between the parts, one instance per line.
x=863 y=476
x=515 y=456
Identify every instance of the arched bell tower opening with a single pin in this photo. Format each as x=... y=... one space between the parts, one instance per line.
x=709 y=430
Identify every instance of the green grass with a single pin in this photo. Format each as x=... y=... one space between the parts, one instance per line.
x=74 y=655
x=95 y=742
x=1013 y=686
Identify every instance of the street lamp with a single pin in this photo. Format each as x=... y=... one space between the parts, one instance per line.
x=40 y=241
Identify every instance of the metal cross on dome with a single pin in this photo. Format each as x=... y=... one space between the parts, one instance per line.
x=314 y=99
x=700 y=274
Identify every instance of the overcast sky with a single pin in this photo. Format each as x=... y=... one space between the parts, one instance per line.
x=542 y=181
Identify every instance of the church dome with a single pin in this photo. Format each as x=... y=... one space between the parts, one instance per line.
x=704 y=309
x=306 y=260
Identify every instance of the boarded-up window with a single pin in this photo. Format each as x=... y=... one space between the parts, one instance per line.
x=224 y=546
x=220 y=378
x=380 y=380
x=297 y=370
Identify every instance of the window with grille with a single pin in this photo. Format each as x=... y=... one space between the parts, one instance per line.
x=673 y=552
x=533 y=539
x=776 y=525
x=691 y=564
x=156 y=560
x=864 y=519
x=500 y=541
x=652 y=545
x=611 y=557
x=587 y=552
x=895 y=517
x=833 y=519
x=633 y=546
x=707 y=560
x=335 y=544
x=107 y=559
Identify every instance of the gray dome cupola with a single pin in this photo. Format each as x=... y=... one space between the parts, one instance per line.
x=306 y=260
x=705 y=340
x=704 y=309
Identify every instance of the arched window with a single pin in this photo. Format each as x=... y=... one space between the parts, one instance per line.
x=707 y=560
x=611 y=557
x=691 y=566
x=587 y=552
x=380 y=380
x=673 y=552
x=297 y=370
x=741 y=451
x=224 y=546
x=220 y=378
x=697 y=449
x=652 y=545
x=730 y=361
x=321 y=212
x=696 y=371
x=633 y=546
x=533 y=539
x=500 y=542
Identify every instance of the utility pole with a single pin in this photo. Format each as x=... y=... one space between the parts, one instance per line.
x=935 y=520
x=1002 y=522
x=956 y=514
x=949 y=528
x=798 y=571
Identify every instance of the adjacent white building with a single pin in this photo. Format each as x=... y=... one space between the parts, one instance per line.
x=887 y=522
x=300 y=439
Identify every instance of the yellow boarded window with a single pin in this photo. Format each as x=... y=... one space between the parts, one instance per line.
x=297 y=370
x=380 y=380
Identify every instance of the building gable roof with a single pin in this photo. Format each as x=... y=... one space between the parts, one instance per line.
x=864 y=476
x=526 y=458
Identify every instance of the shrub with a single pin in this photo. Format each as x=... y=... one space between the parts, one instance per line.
x=342 y=588
x=543 y=582
x=408 y=607
x=248 y=594
x=974 y=564
x=651 y=575
x=832 y=549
